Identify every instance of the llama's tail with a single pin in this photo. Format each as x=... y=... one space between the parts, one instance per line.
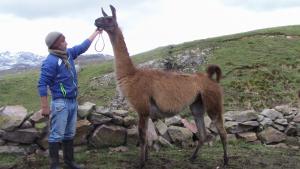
x=214 y=69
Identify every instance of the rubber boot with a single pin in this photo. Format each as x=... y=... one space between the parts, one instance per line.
x=68 y=151
x=54 y=157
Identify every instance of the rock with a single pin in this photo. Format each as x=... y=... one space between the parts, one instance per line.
x=297 y=118
x=27 y=136
x=99 y=119
x=248 y=136
x=292 y=141
x=11 y=117
x=207 y=121
x=260 y=118
x=161 y=127
x=119 y=149
x=2 y=142
x=104 y=111
x=43 y=142
x=278 y=127
x=14 y=150
x=164 y=142
x=233 y=127
x=180 y=134
x=271 y=135
x=132 y=136
x=284 y=109
x=85 y=109
x=118 y=120
x=37 y=117
x=272 y=114
x=26 y=125
x=108 y=136
x=279 y=145
x=122 y=113
x=174 y=121
x=241 y=116
x=191 y=126
x=291 y=130
x=82 y=131
x=129 y=121
x=266 y=122
x=282 y=122
x=151 y=133
x=250 y=124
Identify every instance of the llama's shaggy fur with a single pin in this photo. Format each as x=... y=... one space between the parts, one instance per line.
x=157 y=94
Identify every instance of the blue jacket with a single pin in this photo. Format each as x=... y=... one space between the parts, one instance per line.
x=54 y=73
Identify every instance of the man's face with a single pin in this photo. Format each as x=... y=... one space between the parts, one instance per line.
x=63 y=45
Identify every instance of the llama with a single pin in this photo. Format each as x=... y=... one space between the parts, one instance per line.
x=157 y=94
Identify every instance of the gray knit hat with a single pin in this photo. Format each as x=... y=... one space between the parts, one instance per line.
x=51 y=38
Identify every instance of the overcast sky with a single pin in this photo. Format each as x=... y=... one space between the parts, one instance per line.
x=146 y=24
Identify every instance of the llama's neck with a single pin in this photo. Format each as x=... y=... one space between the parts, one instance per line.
x=123 y=63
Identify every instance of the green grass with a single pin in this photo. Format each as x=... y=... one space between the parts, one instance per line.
x=241 y=155
x=9 y=160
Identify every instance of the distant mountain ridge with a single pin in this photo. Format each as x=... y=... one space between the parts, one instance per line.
x=20 y=61
x=9 y=60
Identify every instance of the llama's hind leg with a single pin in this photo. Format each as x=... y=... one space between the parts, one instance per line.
x=223 y=135
x=197 y=109
x=142 y=128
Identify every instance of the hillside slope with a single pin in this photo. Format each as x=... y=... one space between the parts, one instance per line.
x=261 y=69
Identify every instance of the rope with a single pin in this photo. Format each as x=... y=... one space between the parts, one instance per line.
x=97 y=42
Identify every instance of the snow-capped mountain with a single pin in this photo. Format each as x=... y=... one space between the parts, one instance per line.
x=26 y=60
x=9 y=60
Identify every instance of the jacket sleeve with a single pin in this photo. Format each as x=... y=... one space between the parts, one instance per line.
x=79 y=49
x=47 y=76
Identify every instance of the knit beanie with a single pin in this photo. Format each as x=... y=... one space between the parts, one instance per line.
x=51 y=38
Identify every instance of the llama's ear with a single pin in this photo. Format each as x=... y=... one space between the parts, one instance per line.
x=113 y=11
x=103 y=13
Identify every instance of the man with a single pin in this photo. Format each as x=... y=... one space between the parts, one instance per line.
x=59 y=74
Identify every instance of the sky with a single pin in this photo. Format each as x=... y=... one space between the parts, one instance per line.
x=146 y=24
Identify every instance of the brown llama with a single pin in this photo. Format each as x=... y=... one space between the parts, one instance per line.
x=158 y=94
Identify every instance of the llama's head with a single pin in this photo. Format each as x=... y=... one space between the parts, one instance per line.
x=107 y=23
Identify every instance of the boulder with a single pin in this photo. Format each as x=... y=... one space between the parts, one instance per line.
x=82 y=131
x=241 y=116
x=247 y=136
x=27 y=136
x=85 y=109
x=272 y=114
x=12 y=117
x=108 y=136
x=271 y=135
x=180 y=134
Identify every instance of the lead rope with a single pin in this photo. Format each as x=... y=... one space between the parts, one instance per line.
x=97 y=42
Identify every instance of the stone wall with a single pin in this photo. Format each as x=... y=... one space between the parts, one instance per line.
x=25 y=133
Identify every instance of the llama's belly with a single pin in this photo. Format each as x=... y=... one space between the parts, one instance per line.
x=158 y=113
x=161 y=115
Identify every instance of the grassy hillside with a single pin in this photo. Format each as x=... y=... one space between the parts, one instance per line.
x=261 y=69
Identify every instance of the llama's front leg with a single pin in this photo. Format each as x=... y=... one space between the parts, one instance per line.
x=142 y=126
x=198 y=113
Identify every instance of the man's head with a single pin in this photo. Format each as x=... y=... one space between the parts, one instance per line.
x=56 y=40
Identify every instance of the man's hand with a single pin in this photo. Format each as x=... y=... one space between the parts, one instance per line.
x=44 y=106
x=45 y=111
x=94 y=34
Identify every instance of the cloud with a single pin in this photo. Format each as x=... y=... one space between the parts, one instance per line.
x=33 y=9
x=262 y=5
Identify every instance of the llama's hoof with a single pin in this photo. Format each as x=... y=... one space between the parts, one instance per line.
x=225 y=161
x=192 y=158
x=142 y=165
